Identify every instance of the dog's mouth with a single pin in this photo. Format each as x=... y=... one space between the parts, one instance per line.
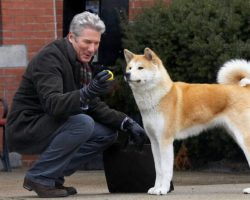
x=134 y=81
x=131 y=81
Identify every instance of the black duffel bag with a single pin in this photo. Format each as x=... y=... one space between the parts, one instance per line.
x=128 y=169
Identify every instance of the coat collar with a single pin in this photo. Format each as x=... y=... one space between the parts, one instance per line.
x=71 y=52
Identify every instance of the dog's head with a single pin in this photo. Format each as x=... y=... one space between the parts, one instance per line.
x=142 y=69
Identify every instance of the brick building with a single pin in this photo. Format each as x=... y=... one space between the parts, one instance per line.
x=27 y=25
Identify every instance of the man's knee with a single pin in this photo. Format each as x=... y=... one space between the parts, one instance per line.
x=82 y=120
x=82 y=125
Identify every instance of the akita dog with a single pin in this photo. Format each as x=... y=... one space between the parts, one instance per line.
x=177 y=110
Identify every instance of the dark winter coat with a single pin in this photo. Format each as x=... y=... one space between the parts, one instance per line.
x=47 y=96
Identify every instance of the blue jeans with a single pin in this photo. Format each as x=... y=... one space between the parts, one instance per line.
x=78 y=140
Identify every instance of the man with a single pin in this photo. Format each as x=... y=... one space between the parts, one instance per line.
x=57 y=112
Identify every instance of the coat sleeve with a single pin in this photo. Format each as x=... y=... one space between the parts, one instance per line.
x=102 y=113
x=47 y=72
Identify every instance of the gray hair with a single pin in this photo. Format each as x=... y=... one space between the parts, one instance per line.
x=86 y=20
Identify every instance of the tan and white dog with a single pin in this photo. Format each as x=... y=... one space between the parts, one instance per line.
x=177 y=110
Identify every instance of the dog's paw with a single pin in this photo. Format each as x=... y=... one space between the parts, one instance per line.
x=151 y=190
x=158 y=190
x=246 y=191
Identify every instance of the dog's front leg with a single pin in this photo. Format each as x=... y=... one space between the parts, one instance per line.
x=167 y=165
x=157 y=162
x=164 y=176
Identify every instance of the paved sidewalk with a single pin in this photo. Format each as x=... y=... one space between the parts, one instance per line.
x=91 y=185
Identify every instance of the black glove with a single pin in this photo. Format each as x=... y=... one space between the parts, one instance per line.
x=138 y=134
x=98 y=86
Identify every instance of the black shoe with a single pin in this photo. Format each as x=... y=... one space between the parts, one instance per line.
x=70 y=190
x=44 y=191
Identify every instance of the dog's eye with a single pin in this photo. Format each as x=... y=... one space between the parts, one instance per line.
x=140 y=68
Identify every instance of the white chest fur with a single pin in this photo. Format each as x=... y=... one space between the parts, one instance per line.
x=148 y=104
x=148 y=100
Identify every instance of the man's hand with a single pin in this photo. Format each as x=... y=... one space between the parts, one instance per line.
x=138 y=134
x=98 y=86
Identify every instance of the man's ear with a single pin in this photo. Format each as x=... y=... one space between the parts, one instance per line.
x=70 y=36
x=128 y=55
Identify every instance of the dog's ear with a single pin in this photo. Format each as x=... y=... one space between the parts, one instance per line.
x=149 y=54
x=128 y=55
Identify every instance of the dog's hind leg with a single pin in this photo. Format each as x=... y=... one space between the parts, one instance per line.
x=246 y=149
x=239 y=129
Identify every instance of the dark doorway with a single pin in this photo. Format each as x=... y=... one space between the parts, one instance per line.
x=110 y=48
x=109 y=11
x=70 y=8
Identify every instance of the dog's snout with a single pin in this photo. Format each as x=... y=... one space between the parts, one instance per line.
x=127 y=75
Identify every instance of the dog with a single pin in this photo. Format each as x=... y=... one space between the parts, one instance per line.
x=177 y=110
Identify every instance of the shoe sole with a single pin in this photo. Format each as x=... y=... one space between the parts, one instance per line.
x=27 y=187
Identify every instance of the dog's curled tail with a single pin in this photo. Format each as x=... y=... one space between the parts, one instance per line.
x=235 y=72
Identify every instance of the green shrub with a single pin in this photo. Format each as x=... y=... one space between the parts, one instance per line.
x=193 y=38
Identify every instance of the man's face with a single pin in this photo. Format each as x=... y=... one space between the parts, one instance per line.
x=85 y=45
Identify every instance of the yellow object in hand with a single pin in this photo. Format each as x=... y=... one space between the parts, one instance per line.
x=112 y=75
